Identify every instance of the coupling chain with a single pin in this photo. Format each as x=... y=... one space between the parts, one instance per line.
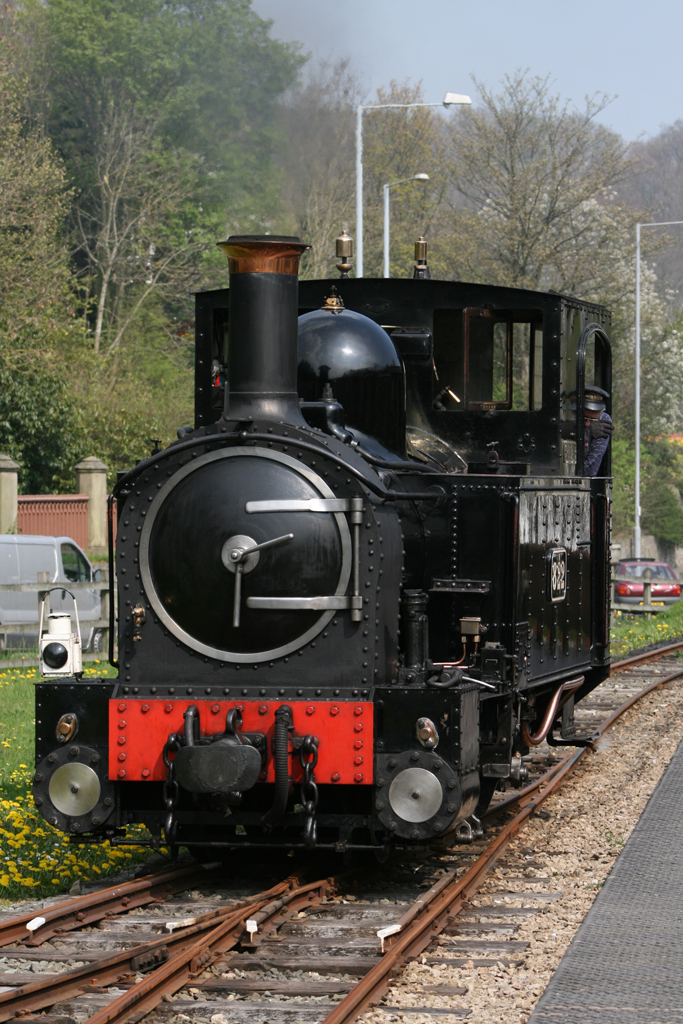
x=308 y=754
x=171 y=791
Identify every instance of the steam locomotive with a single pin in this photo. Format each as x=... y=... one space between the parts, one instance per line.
x=363 y=586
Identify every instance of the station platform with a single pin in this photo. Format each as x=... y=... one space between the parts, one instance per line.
x=625 y=963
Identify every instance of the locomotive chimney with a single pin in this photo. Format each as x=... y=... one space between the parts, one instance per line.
x=263 y=326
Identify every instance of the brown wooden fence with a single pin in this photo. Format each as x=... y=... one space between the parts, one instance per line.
x=54 y=515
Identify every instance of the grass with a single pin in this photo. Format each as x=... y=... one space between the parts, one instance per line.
x=632 y=632
x=10 y=653
x=35 y=859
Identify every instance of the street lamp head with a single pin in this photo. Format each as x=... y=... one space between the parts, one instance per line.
x=451 y=99
x=421 y=177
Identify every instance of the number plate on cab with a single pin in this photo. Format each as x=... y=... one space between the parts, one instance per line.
x=556 y=588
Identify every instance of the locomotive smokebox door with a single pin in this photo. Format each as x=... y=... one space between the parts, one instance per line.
x=556 y=580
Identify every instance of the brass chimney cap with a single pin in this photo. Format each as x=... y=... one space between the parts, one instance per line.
x=263 y=254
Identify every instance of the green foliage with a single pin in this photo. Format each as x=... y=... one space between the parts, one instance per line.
x=133 y=135
x=40 y=427
x=662 y=513
x=39 y=419
x=163 y=113
x=34 y=264
x=661 y=503
x=632 y=632
x=397 y=145
x=623 y=489
x=204 y=74
x=661 y=484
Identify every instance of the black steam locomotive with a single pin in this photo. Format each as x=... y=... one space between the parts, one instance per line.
x=363 y=586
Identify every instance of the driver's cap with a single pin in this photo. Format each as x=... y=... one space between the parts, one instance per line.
x=593 y=398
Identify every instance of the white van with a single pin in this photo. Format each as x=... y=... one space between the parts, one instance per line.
x=21 y=559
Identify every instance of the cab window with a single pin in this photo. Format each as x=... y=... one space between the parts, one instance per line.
x=76 y=569
x=488 y=359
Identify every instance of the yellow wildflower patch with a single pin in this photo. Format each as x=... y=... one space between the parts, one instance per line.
x=35 y=859
x=630 y=632
x=34 y=856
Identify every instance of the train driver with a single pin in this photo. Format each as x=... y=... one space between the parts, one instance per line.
x=598 y=427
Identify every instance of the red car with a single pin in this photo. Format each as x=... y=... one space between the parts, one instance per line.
x=629 y=587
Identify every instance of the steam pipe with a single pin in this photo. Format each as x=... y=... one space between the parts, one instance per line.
x=396 y=464
x=549 y=717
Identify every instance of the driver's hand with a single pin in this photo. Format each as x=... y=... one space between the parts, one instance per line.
x=600 y=429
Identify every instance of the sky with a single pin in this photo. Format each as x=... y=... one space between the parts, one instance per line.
x=629 y=50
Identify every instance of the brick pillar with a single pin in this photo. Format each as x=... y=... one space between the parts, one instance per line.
x=9 y=472
x=91 y=479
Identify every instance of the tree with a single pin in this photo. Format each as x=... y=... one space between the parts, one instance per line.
x=623 y=491
x=400 y=143
x=530 y=178
x=38 y=415
x=316 y=124
x=662 y=512
x=145 y=129
x=656 y=189
x=34 y=200
x=318 y=174
x=537 y=201
x=163 y=114
x=138 y=227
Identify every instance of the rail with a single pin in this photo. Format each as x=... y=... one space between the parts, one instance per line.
x=175 y=959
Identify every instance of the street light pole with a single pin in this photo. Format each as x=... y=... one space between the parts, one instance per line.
x=636 y=525
x=450 y=99
x=638 y=511
x=385 y=189
x=359 y=190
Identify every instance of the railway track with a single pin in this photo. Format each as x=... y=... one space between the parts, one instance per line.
x=185 y=944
